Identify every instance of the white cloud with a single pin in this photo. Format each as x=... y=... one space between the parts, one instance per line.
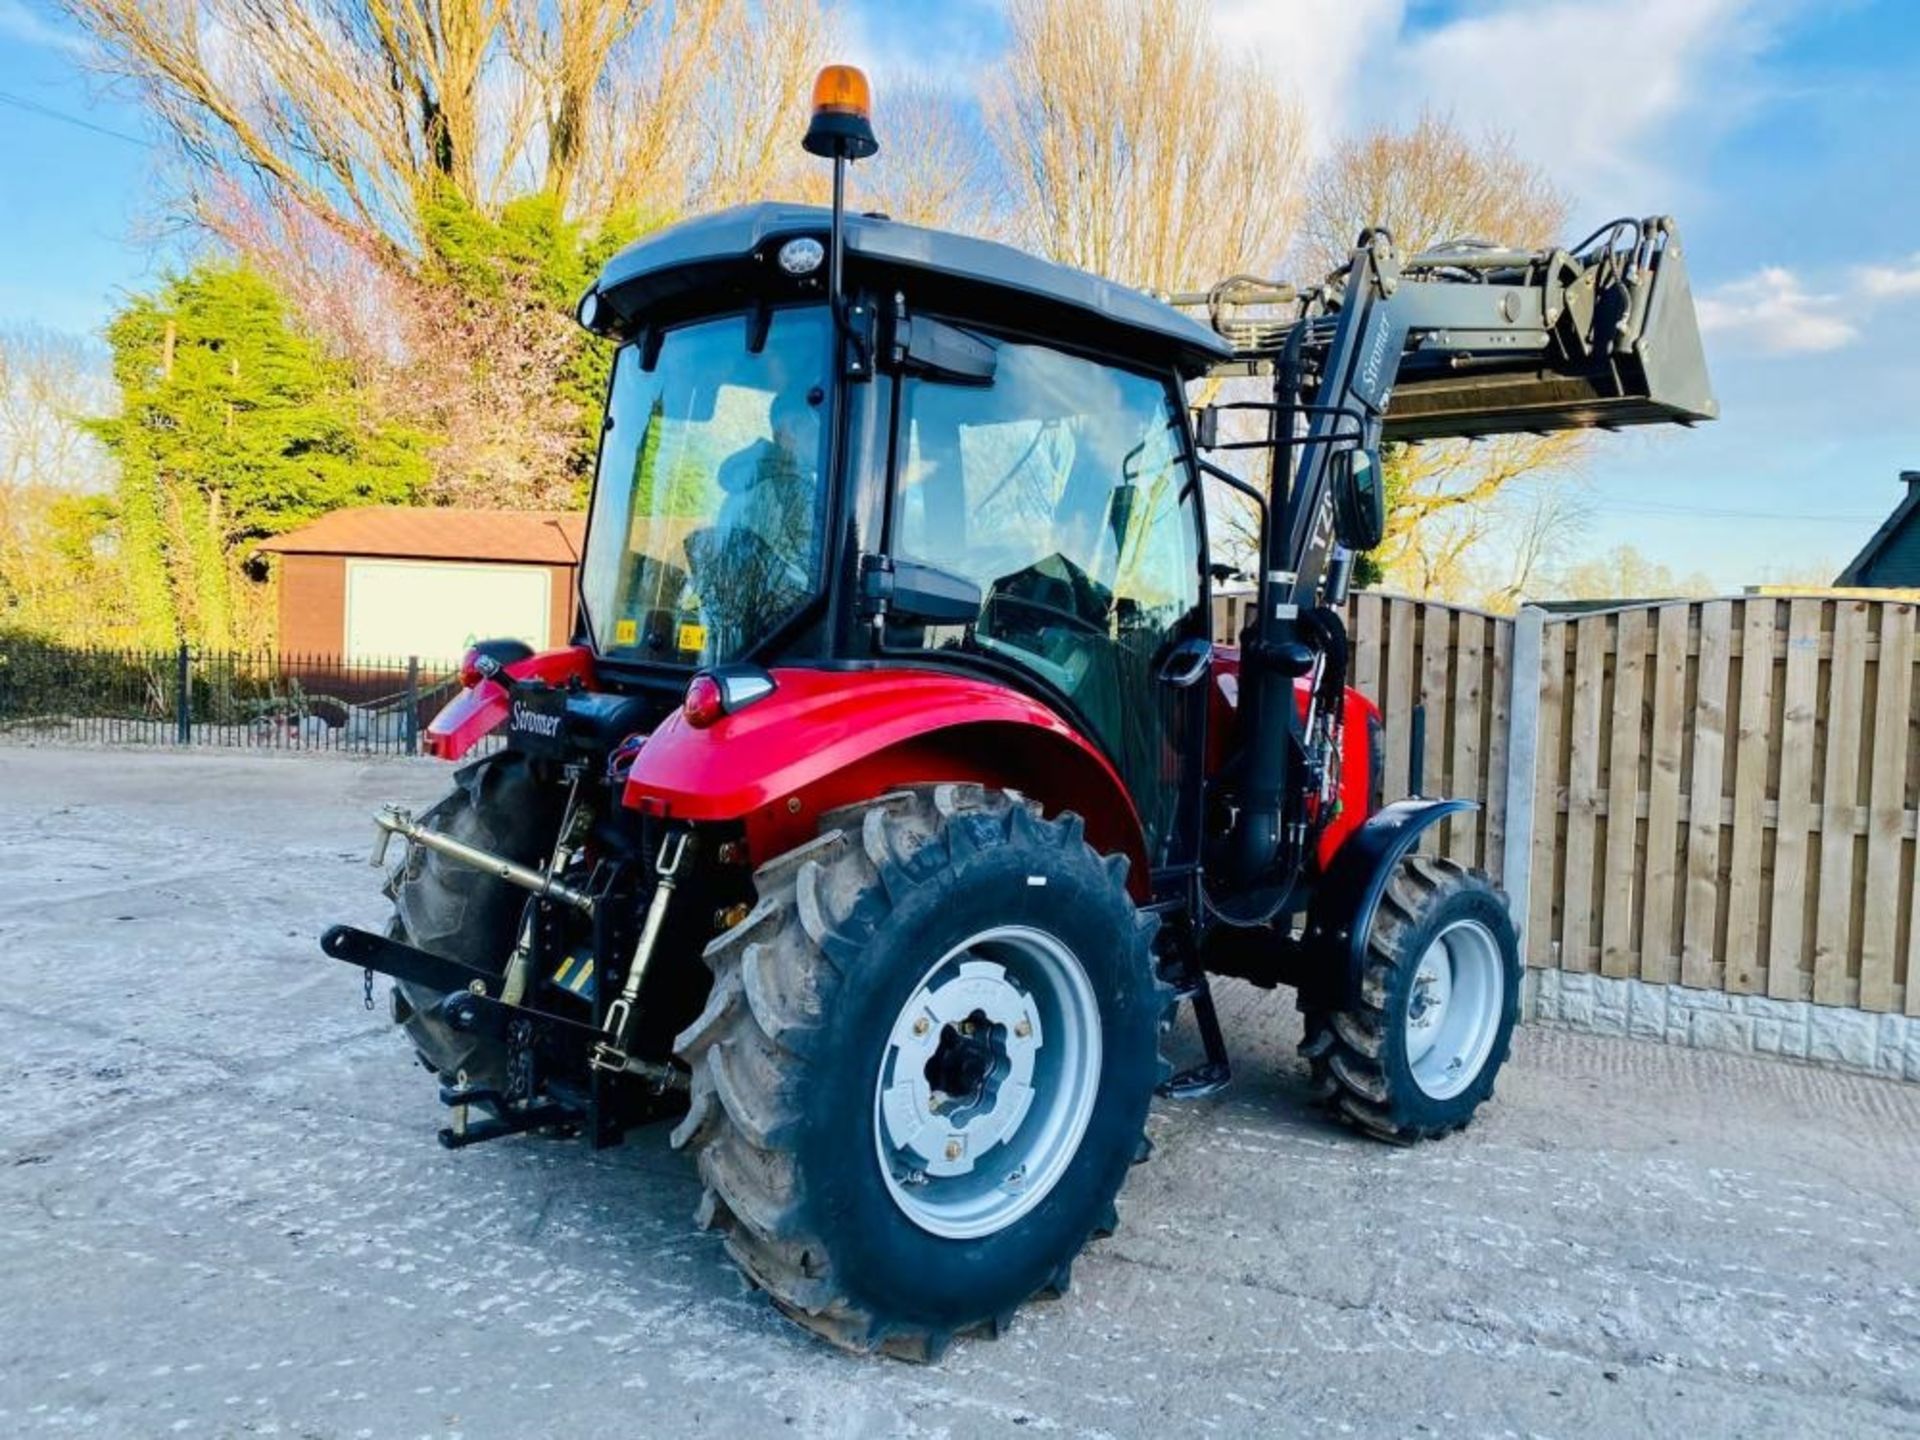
x=1606 y=100
x=1616 y=103
x=19 y=23
x=1890 y=282
x=1771 y=311
x=1594 y=95
x=1318 y=50
x=953 y=45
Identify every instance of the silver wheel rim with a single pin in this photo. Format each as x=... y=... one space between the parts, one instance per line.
x=1454 y=1009
x=1009 y=1019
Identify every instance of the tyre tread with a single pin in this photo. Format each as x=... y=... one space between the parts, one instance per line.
x=1344 y=1048
x=749 y=1048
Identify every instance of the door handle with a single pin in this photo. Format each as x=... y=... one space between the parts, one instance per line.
x=1188 y=664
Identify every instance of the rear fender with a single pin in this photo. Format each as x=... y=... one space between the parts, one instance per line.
x=1333 y=948
x=479 y=709
x=826 y=738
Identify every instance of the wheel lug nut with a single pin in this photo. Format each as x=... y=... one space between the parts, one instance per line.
x=953 y=1149
x=1024 y=1028
x=920 y=1026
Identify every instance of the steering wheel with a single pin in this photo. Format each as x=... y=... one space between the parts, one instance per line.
x=1071 y=618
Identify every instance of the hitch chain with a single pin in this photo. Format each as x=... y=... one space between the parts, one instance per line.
x=519 y=1063
x=366 y=987
x=611 y=1052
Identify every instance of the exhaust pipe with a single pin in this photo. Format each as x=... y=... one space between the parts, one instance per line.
x=392 y=820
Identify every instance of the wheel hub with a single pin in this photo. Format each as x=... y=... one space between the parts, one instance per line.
x=1454 y=1008
x=987 y=1081
x=967 y=1067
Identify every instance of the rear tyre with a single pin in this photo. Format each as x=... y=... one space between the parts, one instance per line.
x=924 y=1069
x=459 y=913
x=1418 y=1052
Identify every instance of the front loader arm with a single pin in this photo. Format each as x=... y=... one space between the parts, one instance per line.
x=1462 y=341
x=1485 y=341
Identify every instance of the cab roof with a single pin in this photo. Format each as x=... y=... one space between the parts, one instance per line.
x=964 y=277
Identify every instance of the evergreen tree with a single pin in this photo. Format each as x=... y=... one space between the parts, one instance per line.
x=233 y=427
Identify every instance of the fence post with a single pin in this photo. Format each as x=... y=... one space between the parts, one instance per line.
x=1523 y=765
x=183 y=697
x=413 y=704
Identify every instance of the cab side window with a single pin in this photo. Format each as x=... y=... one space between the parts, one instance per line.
x=1062 y=492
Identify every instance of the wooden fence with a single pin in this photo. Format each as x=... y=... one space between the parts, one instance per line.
x=1726 y=797
x=1723 y=794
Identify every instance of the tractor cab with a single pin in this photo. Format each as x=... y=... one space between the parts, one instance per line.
x=942 y=481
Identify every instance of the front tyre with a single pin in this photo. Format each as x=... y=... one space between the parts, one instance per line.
x=1419 y=1050
x=925 y=1066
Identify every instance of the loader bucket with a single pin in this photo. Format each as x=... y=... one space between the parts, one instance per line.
x=1638 y=362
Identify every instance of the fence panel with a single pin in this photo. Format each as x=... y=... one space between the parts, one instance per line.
x=51 y=694
x=1725 y=792
x=1729 y=796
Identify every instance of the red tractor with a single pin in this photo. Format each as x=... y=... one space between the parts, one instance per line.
x=893 y=794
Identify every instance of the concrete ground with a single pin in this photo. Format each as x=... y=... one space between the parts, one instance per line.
x=222 y=1210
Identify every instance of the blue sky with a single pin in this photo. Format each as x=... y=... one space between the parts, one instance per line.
x=1784 y=134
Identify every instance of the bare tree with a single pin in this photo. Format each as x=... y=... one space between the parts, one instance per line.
x=355 y=149
x=51 y=473
x=1453 y=511
x=1450 y=499
x=1494 y=556
x=1428 y=185
x=1136 y=147
x=359 y=111
x=49 y=383
x=753 y=109
x=477 y=377
x=1624 y=573
x=933 y=168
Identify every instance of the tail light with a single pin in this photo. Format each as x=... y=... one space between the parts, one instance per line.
x=715 y=694
x=470 y=668
x=706 y=704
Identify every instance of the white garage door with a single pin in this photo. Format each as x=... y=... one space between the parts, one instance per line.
x=397 y=608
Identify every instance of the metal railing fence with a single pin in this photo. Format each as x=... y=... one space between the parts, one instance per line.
x=59 y=694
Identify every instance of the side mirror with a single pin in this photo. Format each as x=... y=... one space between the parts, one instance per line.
x=1359 y=498
x=922 y=594
x=1206 y=427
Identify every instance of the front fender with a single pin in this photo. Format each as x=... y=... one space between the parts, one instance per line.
x=826 y=738
x=1334 y=945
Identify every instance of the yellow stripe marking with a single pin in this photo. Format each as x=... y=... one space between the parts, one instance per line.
x=565 y=965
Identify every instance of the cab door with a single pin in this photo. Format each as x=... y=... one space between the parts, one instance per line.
x=1063 y=489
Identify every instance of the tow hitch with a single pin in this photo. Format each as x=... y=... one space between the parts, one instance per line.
x=468 y=1008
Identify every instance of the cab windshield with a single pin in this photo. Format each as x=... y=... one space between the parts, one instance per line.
x=704 y=536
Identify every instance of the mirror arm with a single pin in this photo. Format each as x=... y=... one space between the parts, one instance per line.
x=1234 y=482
